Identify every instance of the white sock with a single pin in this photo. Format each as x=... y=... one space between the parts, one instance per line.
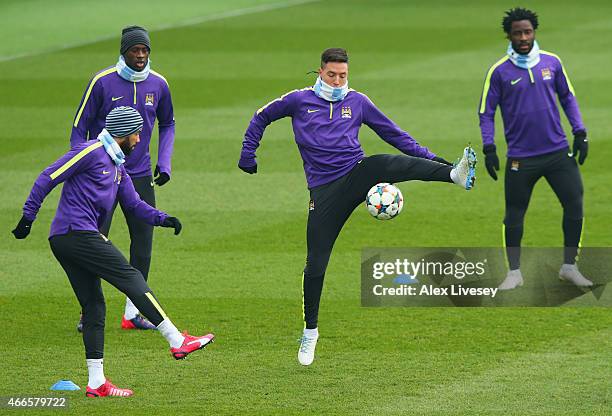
x=130 y=310
x=96 y=372
x=172 y=335
x=453 y=175
x=311 y=333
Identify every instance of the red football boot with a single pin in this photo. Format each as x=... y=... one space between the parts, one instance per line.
x=108 y=389
x=191 y=344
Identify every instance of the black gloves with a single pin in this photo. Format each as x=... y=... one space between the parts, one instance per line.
x=23 y=228
x=491 y=160
x=161 y=178
x=442 y=160
x=249 y=169
x=173 y=222
x=581 y=145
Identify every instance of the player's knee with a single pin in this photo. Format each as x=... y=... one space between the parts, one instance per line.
x=313 y=270
x=316 y=264
x=316 y=261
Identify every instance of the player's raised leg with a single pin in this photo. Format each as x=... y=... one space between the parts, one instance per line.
x=98 y=255
x=401 y=168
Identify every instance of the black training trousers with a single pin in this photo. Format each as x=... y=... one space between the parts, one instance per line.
x=562 y=174
x=331 y=205
x=141 y=233
x=87 y=256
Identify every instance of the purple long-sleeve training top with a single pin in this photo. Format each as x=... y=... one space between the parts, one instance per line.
x=528 y=102
x=92 y=183
x=327 y=133
x=151 y=97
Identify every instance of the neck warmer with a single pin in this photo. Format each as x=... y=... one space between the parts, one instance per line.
x=111 y=147
x=525 y=61
x=129 y=74
x=329 y=93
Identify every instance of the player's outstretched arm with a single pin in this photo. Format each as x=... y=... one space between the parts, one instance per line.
x=68 y=165
x=274 y=110
x=392 y=133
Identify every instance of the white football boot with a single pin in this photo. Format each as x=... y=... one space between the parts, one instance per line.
x=464 y=171
x=308 y=343
x=513 y=279
x=570 y=273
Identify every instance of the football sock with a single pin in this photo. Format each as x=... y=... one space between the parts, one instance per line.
x=311 y=333
x=172 y=335
x=131 y=311
x=454 y=176
x=96 y=372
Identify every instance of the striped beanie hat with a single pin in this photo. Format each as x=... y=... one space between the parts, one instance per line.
x=123 y=121
x=133 y=35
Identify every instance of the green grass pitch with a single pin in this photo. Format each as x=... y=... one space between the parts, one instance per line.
x=236 y=268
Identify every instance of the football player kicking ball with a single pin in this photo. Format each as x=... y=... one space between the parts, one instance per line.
x=94 y=177
x=326 y=120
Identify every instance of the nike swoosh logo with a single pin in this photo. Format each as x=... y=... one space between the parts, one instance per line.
x=105 y=172
x=312 y=111
x=570 y=154
x=116 y=98
x=515 y=81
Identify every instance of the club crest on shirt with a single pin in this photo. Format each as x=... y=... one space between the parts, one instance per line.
x=515 y=165
x=346 y=112
x=546 y=74
x=149 y=98
x=311 y=205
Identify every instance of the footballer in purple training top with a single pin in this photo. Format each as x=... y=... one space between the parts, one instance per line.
x=326 y=119
x=94 y=177
x=526 y=83
x=132 y=82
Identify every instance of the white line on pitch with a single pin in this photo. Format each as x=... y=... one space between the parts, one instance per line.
x=184 y=23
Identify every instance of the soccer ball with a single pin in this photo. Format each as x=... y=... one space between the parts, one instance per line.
x=384 y=201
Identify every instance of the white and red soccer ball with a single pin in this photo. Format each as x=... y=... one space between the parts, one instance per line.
x=384 y=201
